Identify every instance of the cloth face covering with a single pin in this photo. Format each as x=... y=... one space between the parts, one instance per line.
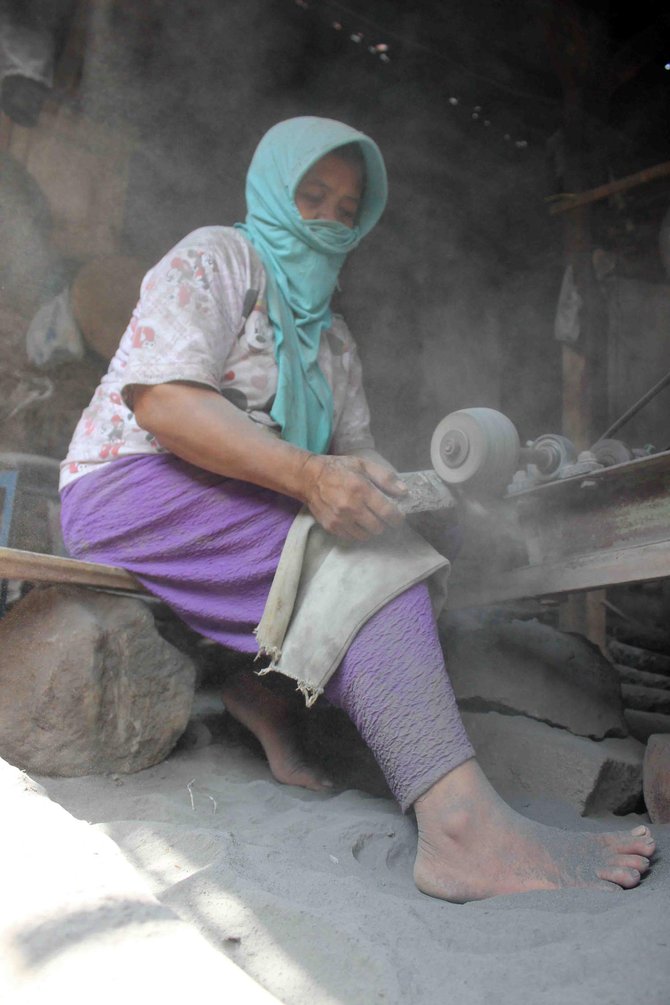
x=302 y=259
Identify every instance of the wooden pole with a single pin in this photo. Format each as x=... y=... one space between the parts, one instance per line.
x=567 y=201
x=577 y=51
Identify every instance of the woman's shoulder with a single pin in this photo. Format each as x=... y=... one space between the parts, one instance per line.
x=213 y=237
x=216 y=258
x=226 y=245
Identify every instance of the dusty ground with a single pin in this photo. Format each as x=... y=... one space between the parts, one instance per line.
x=312 y=894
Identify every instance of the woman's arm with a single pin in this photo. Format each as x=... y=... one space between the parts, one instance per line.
x=202 y=427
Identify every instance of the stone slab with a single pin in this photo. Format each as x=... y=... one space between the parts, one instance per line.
x=531 y=669
x=642 y=725
x=643 y=678
x=521 y=755
x=646 y=699
x=642 y=659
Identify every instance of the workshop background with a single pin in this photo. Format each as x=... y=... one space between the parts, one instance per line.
x=523 y=265
x=125 y=125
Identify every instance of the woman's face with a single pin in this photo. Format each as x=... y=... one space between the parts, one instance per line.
x=331 y=190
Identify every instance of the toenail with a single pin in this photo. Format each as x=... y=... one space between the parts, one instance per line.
x=640 y=831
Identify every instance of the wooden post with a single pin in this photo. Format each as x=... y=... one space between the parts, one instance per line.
x=584 y=381
x=586 y=614
x=576 y=51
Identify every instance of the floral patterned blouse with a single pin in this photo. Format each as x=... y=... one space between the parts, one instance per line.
x=202 y=318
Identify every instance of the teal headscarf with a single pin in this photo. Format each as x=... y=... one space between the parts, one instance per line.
x=302 y=259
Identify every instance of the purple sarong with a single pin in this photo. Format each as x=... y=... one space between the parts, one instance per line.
x=206 y=545
x=209 y=547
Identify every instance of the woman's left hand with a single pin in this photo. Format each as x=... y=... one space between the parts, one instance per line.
x=349 y=496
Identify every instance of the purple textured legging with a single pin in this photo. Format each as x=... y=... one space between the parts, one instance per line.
x=209 y=548
x=393 y=685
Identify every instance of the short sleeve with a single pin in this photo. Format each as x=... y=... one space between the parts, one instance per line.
x=188 y=315
x=352 y=431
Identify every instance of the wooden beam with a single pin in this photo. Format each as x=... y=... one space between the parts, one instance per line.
x=570 y=200
x=608 y=567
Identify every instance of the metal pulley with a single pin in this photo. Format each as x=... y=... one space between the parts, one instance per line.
x=610 y=452
x=477 y=448
x=548 y=456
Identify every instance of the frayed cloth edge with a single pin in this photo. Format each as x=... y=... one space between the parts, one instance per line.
x=308 y=691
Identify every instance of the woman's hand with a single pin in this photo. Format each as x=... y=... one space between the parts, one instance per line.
x=345 y=495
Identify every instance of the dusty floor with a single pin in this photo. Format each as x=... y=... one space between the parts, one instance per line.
x=312 y=894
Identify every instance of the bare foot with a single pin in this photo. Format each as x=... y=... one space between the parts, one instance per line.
x=270 y=718
x=472 y=845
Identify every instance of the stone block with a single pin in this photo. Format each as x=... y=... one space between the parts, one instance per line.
x=656 y=778
x=641 y=659
x=629 y=675
x=523 y=756
x=646 y=699
x=531 y=669
x=88 y=684
x=642 y=725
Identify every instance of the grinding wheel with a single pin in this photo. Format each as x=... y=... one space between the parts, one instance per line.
x=477 y=448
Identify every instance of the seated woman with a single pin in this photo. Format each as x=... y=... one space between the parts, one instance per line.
x=234 y=400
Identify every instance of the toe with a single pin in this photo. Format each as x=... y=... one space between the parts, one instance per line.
x=309 y=780
x=631 y=843
x=637 y=862
x=627 y=878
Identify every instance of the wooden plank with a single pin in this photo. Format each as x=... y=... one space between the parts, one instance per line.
x=571 y=200
x=39 y=568
x=585 y=572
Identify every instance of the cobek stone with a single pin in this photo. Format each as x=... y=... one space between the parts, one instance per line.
x=535 y=670
x=656 y=778
x=520 y=756
x=88 y=685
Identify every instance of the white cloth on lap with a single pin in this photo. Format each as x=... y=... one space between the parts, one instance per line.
x=325 y=590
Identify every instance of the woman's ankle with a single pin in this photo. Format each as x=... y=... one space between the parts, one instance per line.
x=457 y=799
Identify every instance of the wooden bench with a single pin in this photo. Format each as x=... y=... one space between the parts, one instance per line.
x=38 y=568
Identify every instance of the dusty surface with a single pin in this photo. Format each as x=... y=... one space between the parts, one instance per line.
x=78 y=922
x=312 y=894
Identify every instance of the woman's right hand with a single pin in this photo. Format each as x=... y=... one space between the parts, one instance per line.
x=345 y=495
